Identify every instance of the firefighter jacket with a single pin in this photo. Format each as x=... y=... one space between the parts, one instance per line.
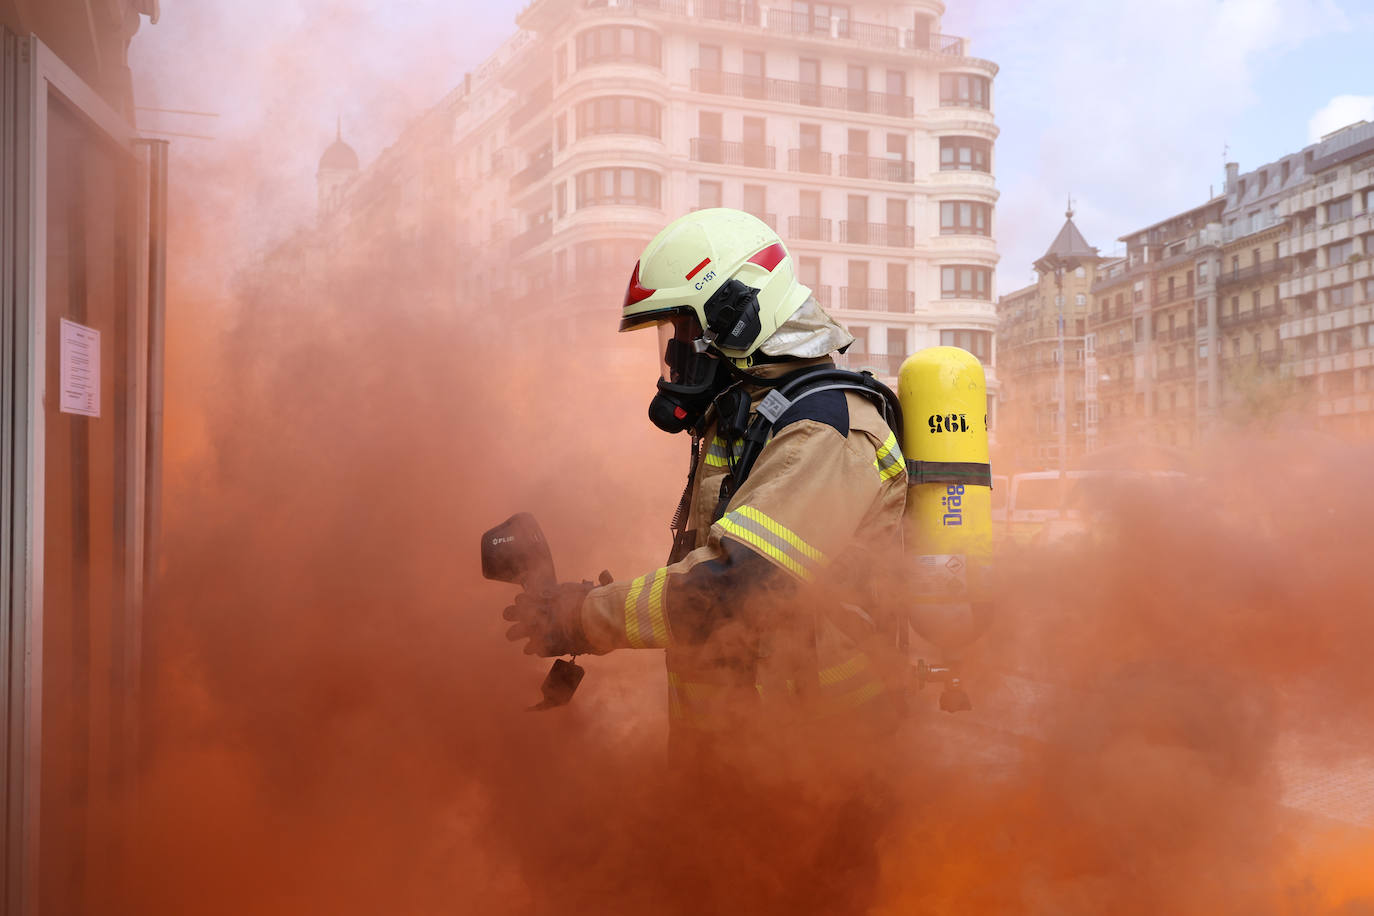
x=774 y=615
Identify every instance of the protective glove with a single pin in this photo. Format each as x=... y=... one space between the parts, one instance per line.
x=551 y=620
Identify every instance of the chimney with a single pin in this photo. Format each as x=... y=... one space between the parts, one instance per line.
x=1232 y=173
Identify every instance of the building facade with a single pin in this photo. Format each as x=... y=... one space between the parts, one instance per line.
x=1259 y=301
x=859 y=132
x=1033 y=418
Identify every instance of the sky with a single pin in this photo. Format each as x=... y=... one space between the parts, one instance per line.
x=1131 y=107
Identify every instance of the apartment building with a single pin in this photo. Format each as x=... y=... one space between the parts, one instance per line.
x=859 y=132
x=1327 y=326
x=1257 y=301
x=1030 y=352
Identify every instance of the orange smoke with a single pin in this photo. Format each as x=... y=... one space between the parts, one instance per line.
x=336 y=721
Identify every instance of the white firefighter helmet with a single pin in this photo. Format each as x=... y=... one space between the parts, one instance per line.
x=727 y=269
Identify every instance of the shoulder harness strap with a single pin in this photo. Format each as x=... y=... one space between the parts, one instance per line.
x=786 y=392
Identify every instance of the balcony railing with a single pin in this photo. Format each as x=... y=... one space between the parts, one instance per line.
x=532 y=172
x=867 y=34
x=537 y=103
x=812 y=161
x=810 y=228
x=856 y=233
x=1259 y=271
x=536 y=234
x=877 y=300
x=1264 y=313
x=1173 y=372
x=791 y=92
x=1165 y=295
x=730 y=152
x=1271 y=357
x=855 y=165
x=821 y=294
x=724 y=11
x=1184 y=333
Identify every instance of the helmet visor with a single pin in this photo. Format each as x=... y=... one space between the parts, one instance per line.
x=677 y=351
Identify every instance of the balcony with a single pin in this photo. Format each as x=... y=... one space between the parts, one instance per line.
x=1165 y=295
x=854 y=165
x=537 y=103
x=1261 y=271
x=722 y=11
x=1271 y=357
x=810 y=25
x=791 y=92
x=531 y=173
x=811 y=161
x=1261 y=314
x=881 y=234
x=808 y=228
x=535 y=235
x=729 y=152
x=877 y=300
x=821 y=294
x=1187 y=332
x=1175 y=372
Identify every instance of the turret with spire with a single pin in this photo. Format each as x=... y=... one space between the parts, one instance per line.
x=1069 y=249
x=338 y=166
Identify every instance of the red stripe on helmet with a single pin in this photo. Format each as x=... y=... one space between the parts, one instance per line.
x=696 y=270
x=634 y=292
x=770 y=257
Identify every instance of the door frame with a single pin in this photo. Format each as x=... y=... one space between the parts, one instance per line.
x=48 y=78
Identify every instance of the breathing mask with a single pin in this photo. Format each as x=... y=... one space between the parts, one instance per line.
x=691 y=375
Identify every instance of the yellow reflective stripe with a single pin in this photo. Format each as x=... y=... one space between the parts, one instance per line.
x=750 y=537
x=716 y=461
x=657 y=621
x=781 y=531
x=632 y=612
x=869 y=691
x=889 y=462
x=844 y=671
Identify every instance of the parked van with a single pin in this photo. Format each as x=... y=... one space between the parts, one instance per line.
x=1034 y=513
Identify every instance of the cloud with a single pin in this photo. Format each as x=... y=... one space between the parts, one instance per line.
x=1341 y=111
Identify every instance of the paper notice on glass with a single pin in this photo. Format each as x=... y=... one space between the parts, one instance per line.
x=80 y=378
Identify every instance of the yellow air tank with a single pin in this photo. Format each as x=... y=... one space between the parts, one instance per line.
x=948 y=522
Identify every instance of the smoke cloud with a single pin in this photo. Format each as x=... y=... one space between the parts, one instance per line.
x=336 y=722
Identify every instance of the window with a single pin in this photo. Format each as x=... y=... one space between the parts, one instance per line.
x=809 y=272
x=1339 y=253
x=1339 y=210
x=560 y=199
x=560 y=64
x=618 y=114
x=964 y=90
x=1201 y=271
x=896 y=82
x=965 y=154
x=708 y=194
x=755 y=75
x=1341 y=296
x=963 y=217
x=756 y=199
x=1080 y=299
x=1139 y=329
x=708 y=58
x=815 y=17
x=963 y=282
x=979 y=343
x=624 y=43
x=629 y=187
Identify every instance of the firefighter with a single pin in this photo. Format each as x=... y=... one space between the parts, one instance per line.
x=767 y=607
